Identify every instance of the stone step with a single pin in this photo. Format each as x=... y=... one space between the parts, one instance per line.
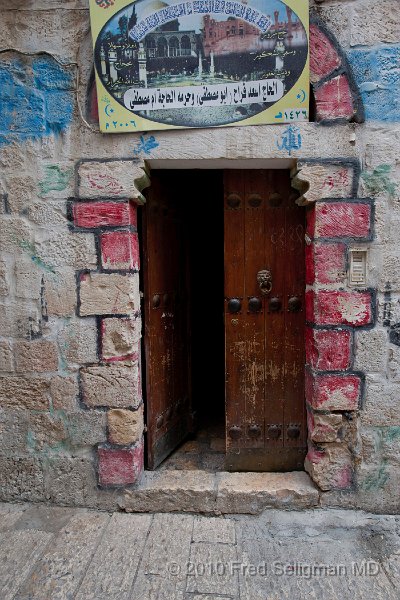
x=220 y=493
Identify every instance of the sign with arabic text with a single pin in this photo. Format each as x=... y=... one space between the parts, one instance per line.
x=169 y=64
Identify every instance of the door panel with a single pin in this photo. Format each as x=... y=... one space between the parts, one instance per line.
x=264 y=333
x=166 y=327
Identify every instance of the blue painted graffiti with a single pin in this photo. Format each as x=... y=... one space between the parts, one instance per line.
x=377 y=74
x=145 y=145
x=36 y=97
x=290 y=139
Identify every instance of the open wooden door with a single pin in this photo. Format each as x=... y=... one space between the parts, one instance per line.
x=166 y=326
x=264 y=322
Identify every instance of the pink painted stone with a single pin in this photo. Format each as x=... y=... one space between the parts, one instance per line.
x=333 y=392
x=104 y=214
x=122 y=466
x=323 y=55
x=328 y=349
x=119 y=250
x=310 y=304
x=310 y=221
x=343 y=478
x=310 y=264
x=334 y=99
x=340 y=308
x=342 y=219
x=330 y=263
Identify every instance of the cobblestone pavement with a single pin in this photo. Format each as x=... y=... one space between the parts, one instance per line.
x=52 y=553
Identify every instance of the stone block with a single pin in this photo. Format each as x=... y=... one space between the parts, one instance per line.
x=120 y=338
x=166 y=491
x=104 y=214
x=371 y=350
x=46 y=431
x=334 y=99
x=4 y=279
x=342 y=219
x=381 y=407
x=109 y=293
x=323 y=55
x=28 y=279
x=327 y=181
x=6 y=357
x=71 y=481
x=384 y=27
x=125 y=426
x=22 y=479
x=119 y=467
x=64 y=393
x=330 y=263
x=85 y=428
x=38 y=356
x=328 y=349
x=109 y=179
x=331 y=467
x=60 y=293
x=21 y=392
x=119 y=250
x=14 y=231
x=324 y=427
x=339 y=308
x=254 y=492
x=78 y=341
x=333 y=392
x=111 y=385
x=60 y=248
x=14 y=427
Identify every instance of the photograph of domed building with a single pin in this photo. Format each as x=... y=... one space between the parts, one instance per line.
x=156 y=44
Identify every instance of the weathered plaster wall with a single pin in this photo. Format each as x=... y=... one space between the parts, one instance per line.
x=67 y=333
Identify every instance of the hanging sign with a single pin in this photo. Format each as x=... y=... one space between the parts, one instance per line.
x=199 y=63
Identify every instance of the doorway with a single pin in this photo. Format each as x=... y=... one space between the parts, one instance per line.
x=223 y=280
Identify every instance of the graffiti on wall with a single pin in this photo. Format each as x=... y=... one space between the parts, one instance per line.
x=37 y=99
x=377 y=74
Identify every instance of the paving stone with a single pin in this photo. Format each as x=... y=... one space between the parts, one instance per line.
x=114 y=566
x=210 y=569
x=19 y=550
x=60 y=569
x=218 y=530
x=163 y=568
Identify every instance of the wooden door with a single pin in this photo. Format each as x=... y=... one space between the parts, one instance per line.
x=264 y=322
x=166 y=327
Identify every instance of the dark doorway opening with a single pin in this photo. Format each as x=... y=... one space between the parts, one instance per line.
x=195 y=198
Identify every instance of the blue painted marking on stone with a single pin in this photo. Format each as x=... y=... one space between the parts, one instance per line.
x=36 y=98
x=377 y=73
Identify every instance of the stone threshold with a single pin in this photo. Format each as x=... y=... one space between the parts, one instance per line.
x=220 y=492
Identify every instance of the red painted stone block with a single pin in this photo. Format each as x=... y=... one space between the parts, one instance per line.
x=310 y=304
x=119 y=467
x=104 y=214
x=340 y=308
x=119 y=250
x=342 y=219
x=333 y=392
x=334 y=99
x=328 y=349
x=323 y=55
x=310 y=221
x=329 y=263
x=310 y=264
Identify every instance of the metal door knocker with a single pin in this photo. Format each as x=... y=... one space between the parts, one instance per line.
x=264 y=280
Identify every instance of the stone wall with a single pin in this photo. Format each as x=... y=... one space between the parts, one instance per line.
x=71 y=408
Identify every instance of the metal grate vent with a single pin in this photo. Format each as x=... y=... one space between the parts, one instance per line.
x=358 y=267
